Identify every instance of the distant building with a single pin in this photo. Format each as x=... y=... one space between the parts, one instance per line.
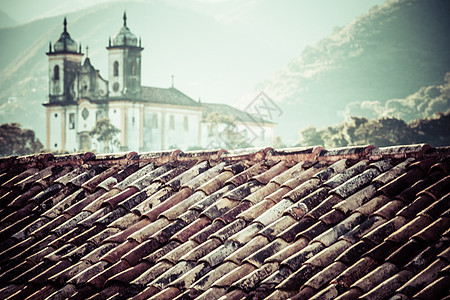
x=149 y=118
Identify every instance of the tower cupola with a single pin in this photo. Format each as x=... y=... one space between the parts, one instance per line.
x=65 y=44
x=125 y=37
x=124 y=64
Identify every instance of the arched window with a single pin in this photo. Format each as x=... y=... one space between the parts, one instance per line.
x=116 y=69
x=56 y=73
x=133 y=68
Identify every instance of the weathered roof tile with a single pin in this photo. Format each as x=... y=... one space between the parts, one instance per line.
x=264 y=223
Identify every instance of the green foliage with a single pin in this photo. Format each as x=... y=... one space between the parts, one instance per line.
x=434 y=130
x=105 y=132
x=17 y=141
x=278 y=142
x=423 y=103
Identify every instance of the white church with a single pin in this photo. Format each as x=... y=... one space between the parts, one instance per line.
x=149 y=118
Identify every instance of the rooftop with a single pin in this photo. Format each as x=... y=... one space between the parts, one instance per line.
x=167 y=96
x=360 y=222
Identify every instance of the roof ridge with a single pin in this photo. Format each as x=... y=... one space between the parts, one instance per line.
x=295 y=154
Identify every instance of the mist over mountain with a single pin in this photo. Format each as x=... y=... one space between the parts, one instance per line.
x=388 y=53
x=6 y=20
x=168 y=46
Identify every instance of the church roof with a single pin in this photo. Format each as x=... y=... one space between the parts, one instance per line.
x=125 y=37
x=236 y=114
x=167 y=96
x=353 y=222
x=65 y=44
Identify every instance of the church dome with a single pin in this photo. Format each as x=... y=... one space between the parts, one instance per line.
x=125 y=37
x=65 y=42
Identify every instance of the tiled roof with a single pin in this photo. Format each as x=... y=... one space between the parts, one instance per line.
x=167 y=96
x=361 y=222
x=236 y=114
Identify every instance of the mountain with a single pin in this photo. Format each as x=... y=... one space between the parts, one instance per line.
x=6 y=20
x=390 y=52
x=165 y=37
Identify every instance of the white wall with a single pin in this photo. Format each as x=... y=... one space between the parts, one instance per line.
x=115 y=117
x=55 y=117
x=180 y=137
x=134 y=132
x=115 y=55
x=71 y=134
x=55 y=87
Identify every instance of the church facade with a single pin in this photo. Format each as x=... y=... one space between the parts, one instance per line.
x=149 y=118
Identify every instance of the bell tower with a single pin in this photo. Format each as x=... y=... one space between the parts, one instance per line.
x=124 y=64
x=64 y=61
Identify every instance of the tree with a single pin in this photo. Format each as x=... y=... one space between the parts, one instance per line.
x=105 y=132
x=311 y=137
x=434 y=130
x=17 y=141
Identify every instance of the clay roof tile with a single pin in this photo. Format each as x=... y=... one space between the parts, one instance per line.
x=247 y=249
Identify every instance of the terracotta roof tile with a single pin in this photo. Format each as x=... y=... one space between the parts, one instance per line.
x=256 y=210
x=372 y=279
x=326 y=275
x=252 y=223
x=404 y=233
x=244 y=236
x=196 y=226
x=332 y=235
x=156 y=255
x=422 y=279
x=313 y=231
x=438 y=288
x=359 y=231
x=257 y=259
x=206 y=281
x=324 y=206
x=211 y=199
x=250 y=281
x=295 y=261
x=249 y=248
x=204 y=234
x=134 y=255
x=277 y=227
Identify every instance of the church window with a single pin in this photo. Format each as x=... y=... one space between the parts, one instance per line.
x=186 y=123
x=56 y=73
x=56 y=115
x=116 y=69
x=133 y=68
x=71 y=121
x=98 y=115
x=155 y=121
x=172 y=122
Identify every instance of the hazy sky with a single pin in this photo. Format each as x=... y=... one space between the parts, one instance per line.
x=275 y=32
x=27 y=10
x=280 y=29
